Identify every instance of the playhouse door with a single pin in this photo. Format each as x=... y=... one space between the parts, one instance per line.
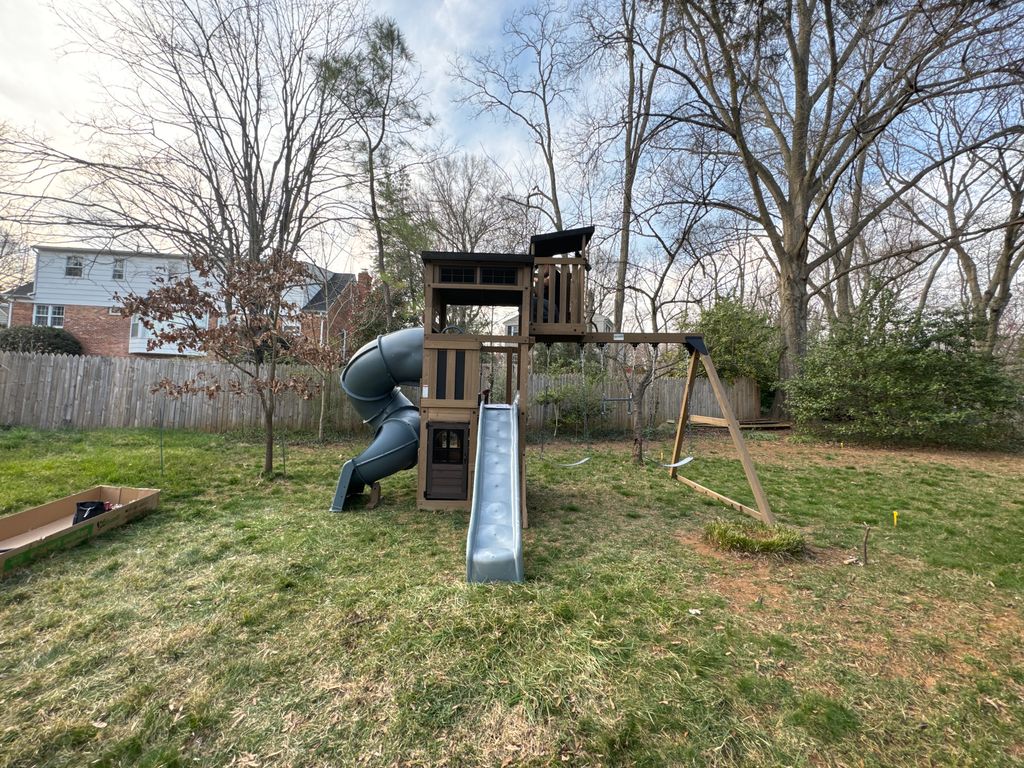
x=448 y=460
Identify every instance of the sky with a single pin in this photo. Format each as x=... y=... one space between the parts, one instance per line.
x=43 y=85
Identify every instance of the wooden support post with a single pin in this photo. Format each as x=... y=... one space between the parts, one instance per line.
x=524 y=394
x=684 y=410
x=374 y=496
x=737 y=440
x=718 y=497
x=508 y=377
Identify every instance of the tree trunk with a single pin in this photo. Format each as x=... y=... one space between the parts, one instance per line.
x=639 y=395
x=620 y=271
x=268 y=427
x=793 y=319
x=269 y=403
x=323 y=412
x=389 y=305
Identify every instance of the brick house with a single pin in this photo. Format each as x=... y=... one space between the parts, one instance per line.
x=74 y=288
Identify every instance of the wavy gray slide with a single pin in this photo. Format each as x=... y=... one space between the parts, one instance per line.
x=371 y=380
x=494 y=544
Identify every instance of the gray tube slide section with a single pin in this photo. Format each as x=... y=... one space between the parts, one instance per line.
x=371 y=381
x=494 y=544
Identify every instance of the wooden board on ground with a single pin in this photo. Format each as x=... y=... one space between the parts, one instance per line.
x=714 y=421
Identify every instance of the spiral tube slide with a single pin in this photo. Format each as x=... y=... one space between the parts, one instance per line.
x=371 y=381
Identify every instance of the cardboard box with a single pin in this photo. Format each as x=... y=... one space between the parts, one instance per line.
x=25 y=536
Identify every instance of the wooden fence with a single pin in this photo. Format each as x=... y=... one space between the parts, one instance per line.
x=59 y=391
x=661 y=402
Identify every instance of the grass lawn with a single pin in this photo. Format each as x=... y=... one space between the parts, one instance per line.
x=242 y=624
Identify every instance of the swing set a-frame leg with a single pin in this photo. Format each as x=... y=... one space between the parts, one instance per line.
x=763 y=511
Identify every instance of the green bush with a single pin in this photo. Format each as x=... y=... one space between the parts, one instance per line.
x=889 y=376
x=574 y=405
x=754 y=538
x=39 y=339
x=743 y=342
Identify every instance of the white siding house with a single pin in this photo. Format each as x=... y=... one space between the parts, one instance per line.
x=76 y=288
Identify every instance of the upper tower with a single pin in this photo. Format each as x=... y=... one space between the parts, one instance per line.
x=558 y=306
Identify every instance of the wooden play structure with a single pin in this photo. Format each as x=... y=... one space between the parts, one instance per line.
x=471 y=453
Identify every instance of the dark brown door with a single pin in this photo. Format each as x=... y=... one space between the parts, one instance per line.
x=447 y=460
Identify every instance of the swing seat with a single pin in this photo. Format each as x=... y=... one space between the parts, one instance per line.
x=581 y=462
x=679 y=463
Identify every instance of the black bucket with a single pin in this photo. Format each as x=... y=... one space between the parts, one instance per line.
x=86 y=510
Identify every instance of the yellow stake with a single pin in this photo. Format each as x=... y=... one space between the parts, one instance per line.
x=895 y=518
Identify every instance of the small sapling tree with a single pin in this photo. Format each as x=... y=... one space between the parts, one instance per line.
x=238 y=313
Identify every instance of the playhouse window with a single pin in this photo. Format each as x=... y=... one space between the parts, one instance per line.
x=498 y=275
x=457 y=275
x=448 y=446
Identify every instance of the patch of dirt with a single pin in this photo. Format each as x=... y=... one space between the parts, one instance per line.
x=750 y=578
x=922 y=637
x=346 y=694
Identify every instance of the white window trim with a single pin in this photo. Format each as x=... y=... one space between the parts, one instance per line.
x=73 y=262
x=117 y=271
x=50 y=315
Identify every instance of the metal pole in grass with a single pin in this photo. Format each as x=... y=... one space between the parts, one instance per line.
x=163 y=405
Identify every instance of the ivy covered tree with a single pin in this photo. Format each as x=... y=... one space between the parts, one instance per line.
x=405 y=232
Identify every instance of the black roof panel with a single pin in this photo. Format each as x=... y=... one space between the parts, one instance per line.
x=430 y=257
x=557 y=243
x=329 y=292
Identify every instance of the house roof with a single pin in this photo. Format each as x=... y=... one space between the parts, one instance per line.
x=104 y=252
x=23 y=291
x=329 y=291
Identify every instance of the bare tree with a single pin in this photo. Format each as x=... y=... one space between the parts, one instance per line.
x=630 y=45
x=15 y=261
x=530 y=82
x=800 y=91
x=972 y=207
x=468 y=206
x=227 y=149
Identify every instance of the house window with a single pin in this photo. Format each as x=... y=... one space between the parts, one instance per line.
x=118 y=272
x=139 y=331
x=173 y=269
x=114 y=310
x=73 y=266
x=48 y=315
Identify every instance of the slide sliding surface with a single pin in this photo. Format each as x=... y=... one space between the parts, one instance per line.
x=494 y=544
